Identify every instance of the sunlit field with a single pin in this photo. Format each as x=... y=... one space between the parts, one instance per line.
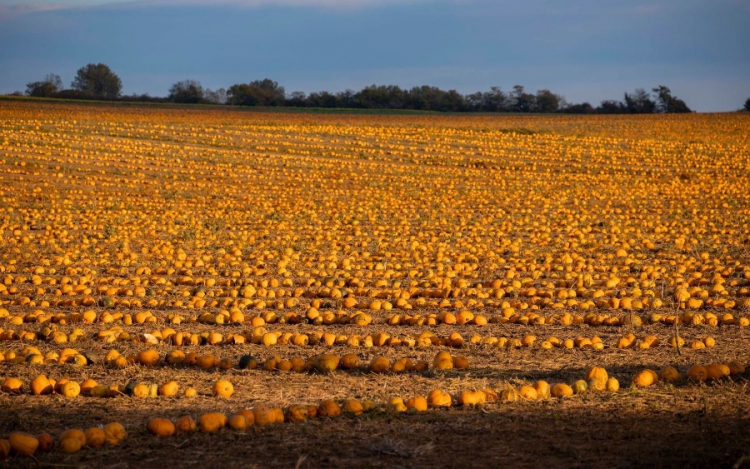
x=319 y=290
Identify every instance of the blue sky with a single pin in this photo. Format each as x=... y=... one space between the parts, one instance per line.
x=586 y=50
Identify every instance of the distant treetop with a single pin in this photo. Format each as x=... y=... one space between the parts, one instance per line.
x=97 y=80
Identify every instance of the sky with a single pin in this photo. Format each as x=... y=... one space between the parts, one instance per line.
x=585 y=50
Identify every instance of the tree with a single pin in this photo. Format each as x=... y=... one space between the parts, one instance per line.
x=639 y=102
x=432 y=98
x=747 y=105
x=546 y=101
x=257 y=93
x=582 y=108
x=489 y=101
x=322 y=99
x=97 y=80
x=521 y=101
x=610 y=106
x=296 y=99
x=494 y=100
x=215 y=97
x=381 y=97
x=46 y=88
x=186 y=91
x=346 y=99
x=667 y=103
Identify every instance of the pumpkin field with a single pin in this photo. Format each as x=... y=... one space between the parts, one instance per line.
x=208 y=287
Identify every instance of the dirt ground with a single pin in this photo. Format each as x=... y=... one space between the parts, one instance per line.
x=485 y=213
x=687 y=425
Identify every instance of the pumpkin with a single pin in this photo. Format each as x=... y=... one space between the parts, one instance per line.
x=596 y=372
x=509 y=394
x=401 y=365
x=23 y=444
x=443 y=361
x=4 y=449
x=669 y=374
x=736 y=368
x=580 y=386
x=676 y=342
x=285 y=366
x=542 y=389
x=264 y=415
x=100 y=391
x=206 y=362
x=41 y=385
x=329 y=408
x=223 y=388
x=238 y=422
x=561 y=390
x=417 y=403
x=528 y=392
x=249 y=416
x=697 y=345
x=612 y=385
x=175 y=357
x=597 y=385
x=349 y=361
x=71 y=389
x=95 y=437
x=380 y=365
x=191 y=359
x=460 y=363
x=298 y=364
x=128 y=389
x=185 y=424
x=168 y=389
x=421 y=365
x=46 y=442
x=491 y=395
x=148 y=357
x=271 y=363
x=74 y=433
x=12 y=386
x=713 y=372
x=278 y=414
x=326 y=363
x=645 y=378
x=59 y=384
x=396 y=404
x=469 y=398
x=248 y=362
x=212 y=422
x=438 y=398
x=354 y=407
x=160 y=427
x=87 y=386
x=191 y=392
x=140 y=390
x=70 y=445
x=296 y=413
x=114 y=433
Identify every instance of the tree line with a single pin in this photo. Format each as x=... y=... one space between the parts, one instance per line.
x=98 y=81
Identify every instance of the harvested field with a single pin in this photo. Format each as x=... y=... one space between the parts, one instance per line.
x=244 y=246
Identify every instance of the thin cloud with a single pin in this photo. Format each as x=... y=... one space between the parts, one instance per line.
x=14 y=8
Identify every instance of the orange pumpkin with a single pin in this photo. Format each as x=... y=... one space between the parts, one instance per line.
x=161 y=427
x=185 y=424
